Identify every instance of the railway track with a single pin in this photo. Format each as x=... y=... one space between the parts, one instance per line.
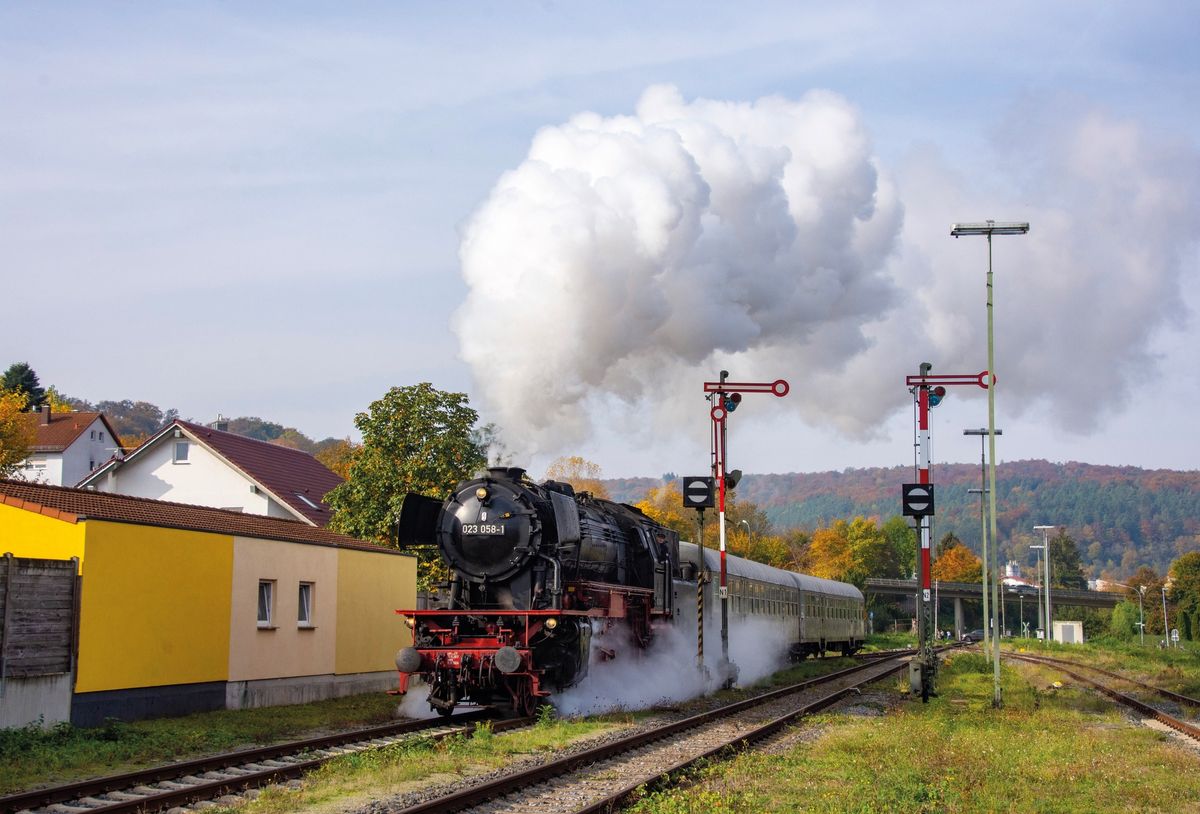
x=602 y=778
x=210 y=778
x=1072 y=669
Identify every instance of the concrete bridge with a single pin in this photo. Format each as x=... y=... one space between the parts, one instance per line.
x=1014 y=600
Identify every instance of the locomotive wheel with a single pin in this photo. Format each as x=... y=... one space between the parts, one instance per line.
x=444 y=711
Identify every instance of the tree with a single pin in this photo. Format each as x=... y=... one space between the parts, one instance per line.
x=958 y=564
x=336 y=455
x=57 y=401
x=16 y=433
x=664 y=504
x=415 y=439
x=853 y=552
x=1065 y=568
x=135 y=419
x=1124 y=620
x=1184 y=593
x=948 y=541
x=903 y=539
x=21 y=378
x=581 y=473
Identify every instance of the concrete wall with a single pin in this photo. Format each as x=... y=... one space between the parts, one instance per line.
x=285 y=648
x=37 y=698
x=155 y=607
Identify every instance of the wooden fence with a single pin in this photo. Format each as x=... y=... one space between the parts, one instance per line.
x=39 y=613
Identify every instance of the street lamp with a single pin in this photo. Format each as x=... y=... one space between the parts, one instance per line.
x=988 y=229
x=1046 y=545
x=1041 y=607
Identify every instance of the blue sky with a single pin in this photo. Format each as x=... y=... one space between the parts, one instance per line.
x=260 y=209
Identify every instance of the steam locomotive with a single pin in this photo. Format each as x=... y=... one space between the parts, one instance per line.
x=538 y=569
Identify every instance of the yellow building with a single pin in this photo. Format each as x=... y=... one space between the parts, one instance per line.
x=187 y=608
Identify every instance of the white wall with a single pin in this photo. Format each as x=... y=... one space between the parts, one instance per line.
x=93 y=447
x=203 y=480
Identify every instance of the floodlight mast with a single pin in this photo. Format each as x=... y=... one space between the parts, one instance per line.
x=990 y=228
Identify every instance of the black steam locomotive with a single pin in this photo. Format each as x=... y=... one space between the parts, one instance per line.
x=535 y=566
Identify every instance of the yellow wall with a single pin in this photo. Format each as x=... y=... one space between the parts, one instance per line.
x=155 y=607
x=28 y=534
x=371 y=587
x=283 y=649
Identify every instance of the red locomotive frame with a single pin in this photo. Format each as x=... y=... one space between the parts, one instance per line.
x=469 y=658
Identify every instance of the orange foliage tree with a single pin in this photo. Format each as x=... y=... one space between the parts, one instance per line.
x=958 y=564
x=581 y=473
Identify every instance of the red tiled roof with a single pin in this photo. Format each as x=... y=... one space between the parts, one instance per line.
x=63 y=429
x=73 y=505
x=287 y=473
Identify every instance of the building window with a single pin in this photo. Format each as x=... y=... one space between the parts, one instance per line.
x=181 y=452
x=304 y=607
x=93 y=435
x=266 y=602
x=101 y=436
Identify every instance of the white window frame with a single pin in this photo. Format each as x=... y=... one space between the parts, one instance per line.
x=305 y=596
x=175 y=456
x=266 y=623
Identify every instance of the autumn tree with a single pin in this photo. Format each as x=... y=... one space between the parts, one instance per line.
x=16 y=432
x=948 y=541
x=57 y=401
x=337 y=456
x=903 y=539
x=582 y=474
x=664 y=505
x=958 y=564
x=415 y=439
x=21 y=378
x=854 y=552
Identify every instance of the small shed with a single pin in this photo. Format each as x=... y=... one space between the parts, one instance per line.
x=1068 y=632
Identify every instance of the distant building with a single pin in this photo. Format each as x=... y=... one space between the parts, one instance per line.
x=191 y=463
x=67 y=446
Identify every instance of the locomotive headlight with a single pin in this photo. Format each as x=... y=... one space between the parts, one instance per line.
x=410 y=622
x=551 y=623
x=481 y=493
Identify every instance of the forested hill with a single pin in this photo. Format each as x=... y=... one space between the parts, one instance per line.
x=1121 y=517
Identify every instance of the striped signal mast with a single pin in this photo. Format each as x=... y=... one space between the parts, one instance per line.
x=725 y=397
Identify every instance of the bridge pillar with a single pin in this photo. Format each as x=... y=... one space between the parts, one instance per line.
x=958 y=619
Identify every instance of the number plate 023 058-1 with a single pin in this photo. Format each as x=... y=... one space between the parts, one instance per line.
x=483 y=528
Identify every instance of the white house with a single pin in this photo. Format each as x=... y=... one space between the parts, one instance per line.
x=191 y=463
x=67 y=447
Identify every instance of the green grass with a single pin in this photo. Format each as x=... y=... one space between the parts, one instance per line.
x=353 y=779
x=1046 y=750
x=31 y=756
x=1176 y=669
x=889 y=641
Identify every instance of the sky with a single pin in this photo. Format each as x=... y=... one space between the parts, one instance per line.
x=579 y=213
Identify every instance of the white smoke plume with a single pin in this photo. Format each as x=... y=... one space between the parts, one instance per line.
x=629 y=258
x=627 y=250
x=666 y=671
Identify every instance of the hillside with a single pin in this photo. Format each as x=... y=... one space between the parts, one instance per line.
x=1122 y=517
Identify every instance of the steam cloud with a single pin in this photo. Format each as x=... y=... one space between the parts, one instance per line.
x=628 y=258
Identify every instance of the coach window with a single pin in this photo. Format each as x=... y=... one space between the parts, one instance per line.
x=266 y=603
x=305 y=606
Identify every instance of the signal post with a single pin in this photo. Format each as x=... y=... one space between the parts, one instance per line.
x=917 y=502
x=725 y=397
